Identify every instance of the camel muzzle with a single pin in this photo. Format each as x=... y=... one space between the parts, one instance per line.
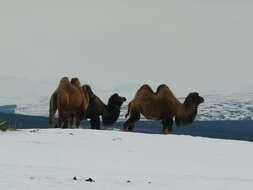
x=123 y=99
x=201 y=100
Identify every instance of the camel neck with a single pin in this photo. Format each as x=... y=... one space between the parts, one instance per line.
x=185 y=114
x=111 y=114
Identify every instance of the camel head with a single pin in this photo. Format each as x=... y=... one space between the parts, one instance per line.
x=115 y=99
x=193 y=99
x=113 y=109
x=188 y=111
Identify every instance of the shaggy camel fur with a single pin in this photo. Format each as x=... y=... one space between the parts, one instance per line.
x=162 y=105
x=110 y=112
x=69 y=100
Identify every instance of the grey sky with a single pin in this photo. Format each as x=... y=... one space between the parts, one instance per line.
x=188 y=44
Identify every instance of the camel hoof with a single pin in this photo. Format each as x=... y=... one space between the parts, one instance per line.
x=125 y=128
x=166 y=131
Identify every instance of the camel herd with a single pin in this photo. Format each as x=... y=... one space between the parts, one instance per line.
x=75 y=102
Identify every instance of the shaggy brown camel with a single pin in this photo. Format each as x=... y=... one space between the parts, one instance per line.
x=110 y=112
x=76 y=117
x=69 y=100
x=162 y=105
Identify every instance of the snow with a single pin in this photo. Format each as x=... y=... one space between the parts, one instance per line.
x=50 y=158
x=236 y=106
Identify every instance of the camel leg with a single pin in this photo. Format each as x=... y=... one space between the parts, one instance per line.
x=95 y=122
x=78 y=117
x=167 y=125
x=130 y=123
x=65 y=124
x=78 y=122
x=67 y=121
x=71 y=121
x=60 y=121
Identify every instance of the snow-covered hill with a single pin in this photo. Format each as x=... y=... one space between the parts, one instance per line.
x=50 y=159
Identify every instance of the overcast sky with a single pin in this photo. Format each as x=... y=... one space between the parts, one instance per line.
x=191 y=45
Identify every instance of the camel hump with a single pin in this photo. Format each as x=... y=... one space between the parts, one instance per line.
x=64 y=83
x=87 y=90
x=161 y=87
x=76 y=82
x=87 y=87
x=146 y=87
x=164 y=91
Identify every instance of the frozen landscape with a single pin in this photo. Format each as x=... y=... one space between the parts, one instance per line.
x=237 y=106
x=112 y=159
x=116 y=47
x=52 y=158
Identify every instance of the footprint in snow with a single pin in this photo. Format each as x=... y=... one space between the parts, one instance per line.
x=90 y=180
x=34 y=131
x=117 y=139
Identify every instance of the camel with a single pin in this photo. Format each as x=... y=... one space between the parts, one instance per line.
x=79 y=114
x=162 y=105
x=110 y=112
x=70 y=101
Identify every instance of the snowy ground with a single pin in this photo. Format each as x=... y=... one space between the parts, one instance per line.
x=50 y=158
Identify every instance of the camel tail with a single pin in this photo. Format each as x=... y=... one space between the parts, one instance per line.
x=128 y=110
x=52 y=108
